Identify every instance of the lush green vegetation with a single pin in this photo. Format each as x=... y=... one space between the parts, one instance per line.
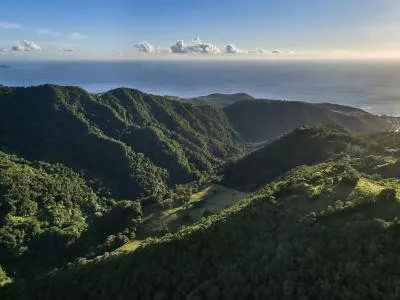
x=49 y=216
x=312 y=215
x=133 y=144
x=261 y=120
x=304 y=146
x=324 y=231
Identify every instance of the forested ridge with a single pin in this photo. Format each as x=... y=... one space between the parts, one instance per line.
x=260 y=120
x=145 y=141
x=81 y=173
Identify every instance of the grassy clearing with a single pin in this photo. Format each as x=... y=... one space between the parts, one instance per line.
x=341 y=195
x=211 y=200
x=369 y=186
x=129 y=247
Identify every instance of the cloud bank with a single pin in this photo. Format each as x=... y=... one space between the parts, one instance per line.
x=26 y=46
x=232 y=49
x=197 y=47
x=145 y=47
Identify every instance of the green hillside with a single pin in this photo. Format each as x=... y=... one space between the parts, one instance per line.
x=132 y=143
x=261 y=120
x=49 y=216
x=221 y=100
x=304 y=146
x=325 y=231
x=126 y=195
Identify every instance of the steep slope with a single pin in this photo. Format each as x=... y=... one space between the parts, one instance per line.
x=48 y=123
x=183 y=138
x=132 y=143
x=49 y=216
x=303 y=146
x=341 y=243
x=268 y=119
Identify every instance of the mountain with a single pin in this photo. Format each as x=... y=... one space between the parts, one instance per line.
x=261 y=120
x=121 y=195
x=326 y=230
x=304 y=146
x=133 y=143
x=221 y=100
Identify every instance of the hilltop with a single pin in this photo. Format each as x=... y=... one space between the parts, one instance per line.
x=268 y=119
x=133 y=143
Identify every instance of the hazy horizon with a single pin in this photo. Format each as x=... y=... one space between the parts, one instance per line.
x=194 y=30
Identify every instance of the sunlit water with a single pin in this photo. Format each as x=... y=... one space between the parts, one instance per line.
x=370 y=85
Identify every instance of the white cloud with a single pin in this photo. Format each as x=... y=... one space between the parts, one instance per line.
x=232 y=49
x=76 y=36
x=179 y=47
x=26 y=46
x=48 y=32
x=3 y=50
x=145 y=47
x=197 y=47
x=8 y=25
x=276 y=51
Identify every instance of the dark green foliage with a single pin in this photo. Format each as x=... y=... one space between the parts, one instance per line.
x=263 y=248
x=49 y=216
x=388 y=194
x=268 y=119
x=123 y=217
x=322 y=222
x=132 y=143
x=304 y=146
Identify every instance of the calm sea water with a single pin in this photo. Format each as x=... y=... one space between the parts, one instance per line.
x=370 y=85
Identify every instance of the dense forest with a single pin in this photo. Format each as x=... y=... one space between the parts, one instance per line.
x=84 y=176
x=260 y=120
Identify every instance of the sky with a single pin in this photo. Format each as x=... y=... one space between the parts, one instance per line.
x=174 y=29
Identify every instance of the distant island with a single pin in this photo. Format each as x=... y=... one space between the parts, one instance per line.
x=5 y=67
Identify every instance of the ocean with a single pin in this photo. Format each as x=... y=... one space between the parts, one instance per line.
x=371 y=85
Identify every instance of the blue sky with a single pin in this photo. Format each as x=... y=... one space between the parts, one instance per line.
x=111 y=29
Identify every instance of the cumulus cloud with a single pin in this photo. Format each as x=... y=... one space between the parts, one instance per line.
x=3 y=50
x=232 y=49
x=76 y=36
x=48 y=32
x=197 y=47
x=145 y=47
x=26 y=46
x=179 y=47
x=276 y=51
x=8 y=25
